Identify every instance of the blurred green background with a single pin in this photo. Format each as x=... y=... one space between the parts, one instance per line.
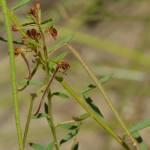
x=113 y=36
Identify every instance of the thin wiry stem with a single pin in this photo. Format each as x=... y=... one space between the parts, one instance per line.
x=15 y=42
x=93 y=115
x=51 y=122
x=32 y=74
x=28 y=121
x=102 y=91
x=28 y=66
x=13 y=73
x=46 y=90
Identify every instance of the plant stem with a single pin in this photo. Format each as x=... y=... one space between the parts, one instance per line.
x=13 y=73
x=52 y=125
x=51 y=122
x=28 y=121
x=93 y=114
x=44 y=49
x=102 y=91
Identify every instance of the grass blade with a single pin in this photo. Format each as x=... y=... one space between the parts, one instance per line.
x=20 y=4
x=13 y=72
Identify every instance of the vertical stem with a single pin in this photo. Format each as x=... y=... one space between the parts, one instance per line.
x=44 y=49
x=52 y=125
x=28 y=121
x=102 y=91
x=13 y=72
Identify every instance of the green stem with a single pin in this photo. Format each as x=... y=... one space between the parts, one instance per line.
x=28 y=121
x=13 y=73
x=102 y=91
x=44 y=49
x=51 y=122
x=101 y=122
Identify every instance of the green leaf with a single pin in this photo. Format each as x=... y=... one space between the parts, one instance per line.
x=31 y=82
x=37 y=146
x=140 y=140
x=68 y=126
x=69 y=136
x=47 y=23
x=60 y=94
x=59 y=78
x=60 y=42
x=20 y=4
x=49 y=146
x=58 y=58
x=54 y=61
x=81 y=117
x=88 y=89
x=92 y=105
x=141 y=125
x=46 y=108
x=104 y=79
x=75 y=146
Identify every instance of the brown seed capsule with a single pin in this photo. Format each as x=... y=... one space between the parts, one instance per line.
x=63 y=66
x=17 y=51
x=32 y=33
x=52 y=31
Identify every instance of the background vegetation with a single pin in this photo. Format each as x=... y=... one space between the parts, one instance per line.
x=113 y=36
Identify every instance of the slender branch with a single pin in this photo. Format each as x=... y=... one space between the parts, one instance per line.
x=15 y=42
x=13 y=73
x=102 y=91
x=93 y=115
x=46 y=90
x=51 y=122
x=28 y=66
x=28 y=120
x=44 y=49
x=32 y=74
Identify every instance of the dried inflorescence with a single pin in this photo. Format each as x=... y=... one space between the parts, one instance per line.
x=63 y=66
x=17 y=51
x=52 y=31
x=34 y=11
x=32 y=33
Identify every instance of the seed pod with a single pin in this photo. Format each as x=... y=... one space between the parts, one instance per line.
x=17 y=51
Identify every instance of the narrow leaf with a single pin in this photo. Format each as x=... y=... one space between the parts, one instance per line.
x=60 y=94
x=67 y=126
x=81 y=117
x=88 y=89
x=31 y=82
x=93 y=106
x=20 y=4
x=60 y=57
x=69 y=136
x=75 y=146
x=60 y=42
x=140 y=140
x=37 y=146
x=49 y=146
x=104 y=79
x=140 y=125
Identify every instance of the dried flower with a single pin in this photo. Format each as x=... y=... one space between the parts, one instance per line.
x=17 y=51
x=32 y=33
x=52 y=31
x=63 y=66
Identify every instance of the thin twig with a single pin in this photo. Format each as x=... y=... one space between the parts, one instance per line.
x=15 y=42
x=46 y=90
x=32 y=74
